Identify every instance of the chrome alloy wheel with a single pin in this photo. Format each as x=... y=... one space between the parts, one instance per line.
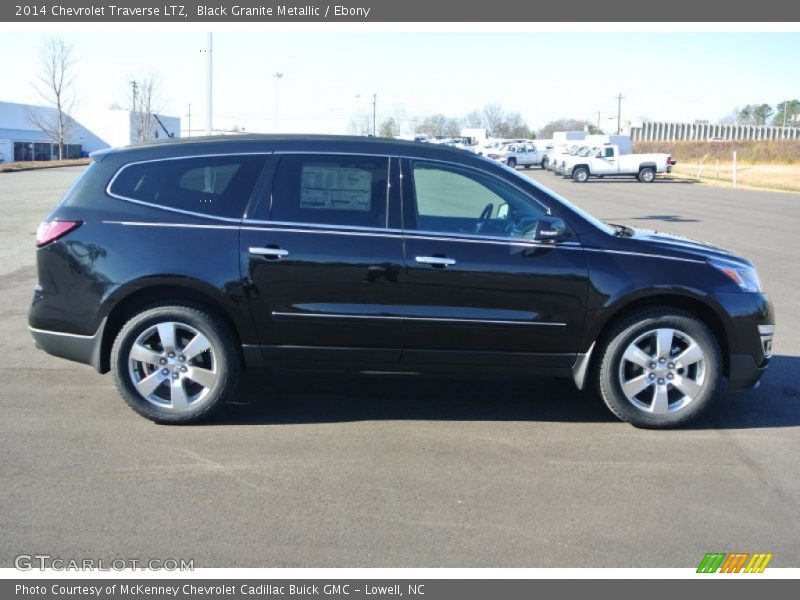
x=662 y=371
x=173 y=365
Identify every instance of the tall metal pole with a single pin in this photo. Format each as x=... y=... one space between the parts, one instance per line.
x=278 y=77
x=620 y=98
x=189 y=128
x=374 y=103
x=209 y=87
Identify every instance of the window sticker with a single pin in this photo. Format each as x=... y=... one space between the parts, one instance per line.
x=335 y=188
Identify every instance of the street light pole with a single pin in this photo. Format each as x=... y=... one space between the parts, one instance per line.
x=209 y=87
x=374 y=103
x=278 y=77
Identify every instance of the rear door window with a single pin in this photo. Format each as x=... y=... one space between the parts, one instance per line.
x=331 y=190
x=218 y=186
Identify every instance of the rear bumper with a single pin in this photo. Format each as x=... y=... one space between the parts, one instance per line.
x=84 y=349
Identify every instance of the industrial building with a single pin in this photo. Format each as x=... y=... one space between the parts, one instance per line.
x=22 y=140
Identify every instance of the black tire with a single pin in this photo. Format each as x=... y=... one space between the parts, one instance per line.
x=608 y=368
x=647 y=175
x=580 y=174
x=526 y=166
x=222 y=357
x=512 y=163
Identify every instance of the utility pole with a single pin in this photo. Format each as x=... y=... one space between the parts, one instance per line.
x=209 y=87
x=620 y=98
x=598 y=121
x=374 y=103
x=189 y=128
x=278 y=77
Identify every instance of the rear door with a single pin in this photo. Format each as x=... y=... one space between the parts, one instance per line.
x=479 y=289
x=321 y=262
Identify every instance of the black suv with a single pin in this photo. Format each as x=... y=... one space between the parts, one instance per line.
x=176 y=265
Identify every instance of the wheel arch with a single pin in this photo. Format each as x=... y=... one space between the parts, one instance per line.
x=688 y=303
x=575 y=167
x=133 y=298
x=647 y=165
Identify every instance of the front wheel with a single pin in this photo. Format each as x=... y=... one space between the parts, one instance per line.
x=512 y=163
x=175 y=364
x=659 y=368
x=647 y=175
x=580 y=174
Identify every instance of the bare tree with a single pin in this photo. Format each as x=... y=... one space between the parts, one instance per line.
x=389 y=128
x=145 y=104
x=55 y=84
x=493 y=117
x=473 y=119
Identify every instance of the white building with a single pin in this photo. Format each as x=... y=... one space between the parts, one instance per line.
x=22 y=140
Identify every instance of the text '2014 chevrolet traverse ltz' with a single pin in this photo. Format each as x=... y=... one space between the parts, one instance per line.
x=176 y=265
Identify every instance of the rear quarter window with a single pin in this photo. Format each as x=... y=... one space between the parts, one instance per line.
x=218 y=186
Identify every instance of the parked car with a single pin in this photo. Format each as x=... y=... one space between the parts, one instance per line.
x=492 y=145
x=517 y=154
x=608 y=162
x=176 y=265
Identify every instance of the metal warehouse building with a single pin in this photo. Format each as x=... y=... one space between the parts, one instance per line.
x=22 y=140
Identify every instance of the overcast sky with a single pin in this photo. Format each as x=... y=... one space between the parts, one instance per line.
x=664 y=76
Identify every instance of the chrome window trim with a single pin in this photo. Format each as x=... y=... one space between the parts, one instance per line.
x=168 y=208
x=411 y=318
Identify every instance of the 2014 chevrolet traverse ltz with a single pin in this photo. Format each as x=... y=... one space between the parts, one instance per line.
x=176 y=265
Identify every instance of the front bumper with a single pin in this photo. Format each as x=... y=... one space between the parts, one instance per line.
x=750 y=332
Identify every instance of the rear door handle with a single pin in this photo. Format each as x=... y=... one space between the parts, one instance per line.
x=436 y=261
x=268 y=252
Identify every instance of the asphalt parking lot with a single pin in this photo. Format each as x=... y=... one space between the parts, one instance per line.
x=378 y=470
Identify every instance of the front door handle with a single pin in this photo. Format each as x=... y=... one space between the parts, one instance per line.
x=268 y=252
x=436 y=261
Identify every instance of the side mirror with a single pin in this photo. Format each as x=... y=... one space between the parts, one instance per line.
x=550 y=229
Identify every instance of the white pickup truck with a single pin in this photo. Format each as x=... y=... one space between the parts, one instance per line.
x=608 y=162
x=522 y=154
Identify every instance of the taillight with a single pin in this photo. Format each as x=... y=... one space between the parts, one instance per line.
x=50 y=231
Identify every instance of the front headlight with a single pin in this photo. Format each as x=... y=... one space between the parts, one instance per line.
x=745 y=277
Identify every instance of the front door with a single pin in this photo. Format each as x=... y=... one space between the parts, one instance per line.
x=321 y=263
x=605 y=163
x=479 y=289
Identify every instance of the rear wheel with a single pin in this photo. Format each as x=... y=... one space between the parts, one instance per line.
x=647 y=175
x=175 y=364
x=580 y=174
x=512 y=162
x=659 y=368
